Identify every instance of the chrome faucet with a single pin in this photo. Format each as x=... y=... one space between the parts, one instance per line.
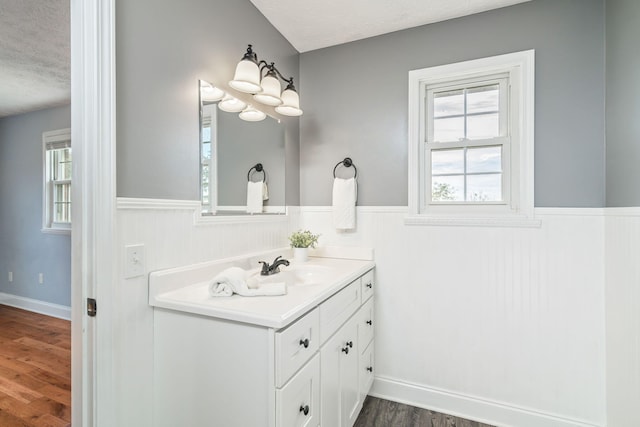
x=274 y=268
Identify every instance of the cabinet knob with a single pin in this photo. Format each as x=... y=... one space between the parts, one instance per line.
x=304 y=409
x=350 y=344
x=345 y=350
x=305 y=342
x=370 y=369
x=369 y=322
x=369 y=285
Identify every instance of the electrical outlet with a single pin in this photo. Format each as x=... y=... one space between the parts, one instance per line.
x=134 y=261
x=10 y=276
x=41 y=278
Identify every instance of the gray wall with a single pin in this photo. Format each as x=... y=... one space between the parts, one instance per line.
x=24 y=249
x=355 y=100
x=163 y=48
x=240 y=146
x=623 y=102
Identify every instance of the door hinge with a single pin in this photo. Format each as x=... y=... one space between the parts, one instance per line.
x=92 y=307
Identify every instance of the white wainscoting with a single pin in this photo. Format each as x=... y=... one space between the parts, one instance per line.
x=503 y=325
x=623 y=316
x=172 y=237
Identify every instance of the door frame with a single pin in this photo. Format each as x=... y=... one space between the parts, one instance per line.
x=93 y=270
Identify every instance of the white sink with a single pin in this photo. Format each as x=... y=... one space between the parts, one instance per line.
x=295 y=275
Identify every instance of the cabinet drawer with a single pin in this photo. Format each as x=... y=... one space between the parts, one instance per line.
x=367 y=285
x=366 y=324
x=295 y=345
x=337 y=309
x=366 y=370
x=298 y=402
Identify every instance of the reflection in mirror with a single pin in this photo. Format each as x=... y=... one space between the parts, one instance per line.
x=230 y=150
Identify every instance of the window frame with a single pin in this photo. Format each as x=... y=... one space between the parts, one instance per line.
x=517 y=205
x=52 y=140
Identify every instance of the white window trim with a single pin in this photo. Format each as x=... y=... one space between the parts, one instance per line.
x=48 y=226
x=520 y=212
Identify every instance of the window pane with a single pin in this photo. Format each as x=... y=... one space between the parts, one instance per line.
x=447 y=188
x=205 y=184
x=447 y=161
x=451 y=129
x=448 y=103
x=483 y=99
x=484 y=159
x=483 y=126
x=62 y=202
x=206 y=134
x=206 y=150
x=484 y=188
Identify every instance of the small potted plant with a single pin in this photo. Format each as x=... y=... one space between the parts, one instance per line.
x=301 y=241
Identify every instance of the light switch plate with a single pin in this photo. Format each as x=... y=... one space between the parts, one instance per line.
x=134 y=261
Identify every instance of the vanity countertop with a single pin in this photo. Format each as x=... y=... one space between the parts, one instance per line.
x=268 y=311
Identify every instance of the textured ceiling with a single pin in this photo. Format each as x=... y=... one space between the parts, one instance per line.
x=35 y=57
x=314 y=24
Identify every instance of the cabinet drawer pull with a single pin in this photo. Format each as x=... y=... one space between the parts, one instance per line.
x=304 y=409
x=345 y=350
x=305 y=342
x=350 y=344
x=370 y=369
x=369 y=285
x=369 y=322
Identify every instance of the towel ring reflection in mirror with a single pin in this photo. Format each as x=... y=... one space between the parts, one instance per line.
x=347 y=163
x=257 y=168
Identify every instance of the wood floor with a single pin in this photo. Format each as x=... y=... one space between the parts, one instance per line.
x=383 y=413
x=35 y=369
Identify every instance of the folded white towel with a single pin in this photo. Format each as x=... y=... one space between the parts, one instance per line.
x=345 y=192
x=255 y=192
x=234 y=281
x=265 y=191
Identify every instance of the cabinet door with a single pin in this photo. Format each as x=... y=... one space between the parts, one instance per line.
x=297 y=403
x=339 y=358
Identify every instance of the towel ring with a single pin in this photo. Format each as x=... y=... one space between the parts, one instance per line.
x=258 y=168
x=347 y=163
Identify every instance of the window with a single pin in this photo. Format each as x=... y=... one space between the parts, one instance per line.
x=208 y=161
x=57 y=181
x=471 y=140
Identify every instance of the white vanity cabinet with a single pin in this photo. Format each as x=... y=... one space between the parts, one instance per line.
x=313 y=372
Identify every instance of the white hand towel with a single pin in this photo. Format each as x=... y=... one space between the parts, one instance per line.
x=234 y=281
x=254 y=197
x=265 y=191
x=345 y=193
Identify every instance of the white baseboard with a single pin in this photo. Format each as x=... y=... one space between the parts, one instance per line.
x=472 y=408
x=37 y=306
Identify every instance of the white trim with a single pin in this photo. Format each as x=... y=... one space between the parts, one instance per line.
x=520 y=63
x=156 y=204
x=36 y=306
x=464 y=221
x=469 y=407
x=93 y=212
x=359 y=209
x=56 y=230
x=265 y=209
x=629 y=211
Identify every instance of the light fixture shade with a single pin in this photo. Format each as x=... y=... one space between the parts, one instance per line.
x=247 y=77
x=290 y=103
x=270 y=94
x=250 y=114
x=211 y=93
x=231 y=104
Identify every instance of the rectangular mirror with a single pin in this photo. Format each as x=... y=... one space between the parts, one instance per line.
x=241 y=161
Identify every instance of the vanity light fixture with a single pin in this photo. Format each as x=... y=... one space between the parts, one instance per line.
x=231 y=104
x=250 y=114
x=249 y=78
x=210 y=93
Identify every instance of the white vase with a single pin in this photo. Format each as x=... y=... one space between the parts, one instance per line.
x=301 y=254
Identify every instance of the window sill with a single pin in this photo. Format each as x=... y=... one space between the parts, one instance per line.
x=56 y=230
x=492 y=221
